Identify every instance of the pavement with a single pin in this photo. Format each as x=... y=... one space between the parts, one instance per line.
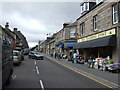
x=104 y=77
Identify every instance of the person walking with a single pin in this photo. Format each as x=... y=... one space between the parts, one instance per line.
x=58 y=56
x=75 y=57
x=90 y=61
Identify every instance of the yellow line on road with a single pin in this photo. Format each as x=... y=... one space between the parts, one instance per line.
x=71 y=68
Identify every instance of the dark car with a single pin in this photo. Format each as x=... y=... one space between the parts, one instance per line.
x=114 y=67
x=38 y=56
x=31 y=55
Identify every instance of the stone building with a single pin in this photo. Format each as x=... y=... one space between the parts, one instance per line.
x=99 y=31
x=9 y=34
x=22 y=42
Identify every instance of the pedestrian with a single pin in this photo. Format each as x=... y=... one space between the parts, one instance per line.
x=104 y=64
x=55 y=54
x=75 y=57
x=90 y=61
x=58 y=56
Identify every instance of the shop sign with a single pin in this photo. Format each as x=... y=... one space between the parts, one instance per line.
x=110 y=32
x=102 y=34
x=99 y=35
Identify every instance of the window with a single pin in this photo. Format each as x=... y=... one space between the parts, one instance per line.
x=115 y=13
x=95 y=23
x=82 y=29
x=99 y=1
x=72 y=32
x=84 y=7
x=64 y=37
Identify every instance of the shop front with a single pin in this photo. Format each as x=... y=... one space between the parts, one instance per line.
x=68 y=49
x=61 y=47
x=100 y=45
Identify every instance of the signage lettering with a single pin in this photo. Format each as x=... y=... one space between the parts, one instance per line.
x=99 y=35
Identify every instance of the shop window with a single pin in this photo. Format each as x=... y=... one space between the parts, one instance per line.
x=72 y=32
x=82 y=29
x=95 y=23
x=115 y=13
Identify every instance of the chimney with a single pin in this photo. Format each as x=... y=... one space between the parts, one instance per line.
x=7 y=25
x=65 y=24
x=15 y=29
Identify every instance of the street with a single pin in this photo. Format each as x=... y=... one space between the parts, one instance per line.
x=48 y=74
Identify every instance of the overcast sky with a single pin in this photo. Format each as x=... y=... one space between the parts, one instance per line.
x=36 y=19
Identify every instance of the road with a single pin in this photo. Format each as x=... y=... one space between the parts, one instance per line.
x=48 y=74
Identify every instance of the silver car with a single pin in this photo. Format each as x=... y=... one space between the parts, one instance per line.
x=16 y=57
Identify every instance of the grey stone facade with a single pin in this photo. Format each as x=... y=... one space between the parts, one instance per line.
x=105 y=22
x=22 y=38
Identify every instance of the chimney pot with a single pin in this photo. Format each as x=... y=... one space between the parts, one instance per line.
x=7 y=25
x=15 y=29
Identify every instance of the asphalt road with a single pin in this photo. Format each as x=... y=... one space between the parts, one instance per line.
x=48 y=74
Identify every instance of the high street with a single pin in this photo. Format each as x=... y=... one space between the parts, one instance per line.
x=53 y=73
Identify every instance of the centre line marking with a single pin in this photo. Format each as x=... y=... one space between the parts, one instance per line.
x=14 y=77
x=35 y=63
x=37 y=70
x=41 y=84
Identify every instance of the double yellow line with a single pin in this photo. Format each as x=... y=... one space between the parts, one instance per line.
x=88 y=75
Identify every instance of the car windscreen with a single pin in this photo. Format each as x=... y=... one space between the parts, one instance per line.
x=15 y=54
x=37 y=53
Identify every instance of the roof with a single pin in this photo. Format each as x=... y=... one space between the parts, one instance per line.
x=89 y=10
x=73 y=24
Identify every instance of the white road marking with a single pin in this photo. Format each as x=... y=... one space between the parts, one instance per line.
x=35 y=63
x=14 y=76
x=37 y=70
x=41 y=84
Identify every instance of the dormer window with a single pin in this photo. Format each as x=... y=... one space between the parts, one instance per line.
x=84 y=7
x=98 y=1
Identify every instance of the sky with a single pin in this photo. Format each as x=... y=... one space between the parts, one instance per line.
x=37 y=19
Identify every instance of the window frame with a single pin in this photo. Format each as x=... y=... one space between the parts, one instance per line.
x=95 y=23
x=82 y=29
x=64 y=34
x=115 y=12
x=72 y=36
x=83 y=7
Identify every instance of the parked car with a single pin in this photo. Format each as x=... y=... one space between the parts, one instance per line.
x=21 y=52
x=26 y=51
x=31 y=55
x=16 y=57
x=38 y=56
x=22 y=55
x=114 y=67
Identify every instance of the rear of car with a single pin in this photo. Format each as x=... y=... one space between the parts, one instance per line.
x=31 y=55
x=38 y=56
x=16 y=57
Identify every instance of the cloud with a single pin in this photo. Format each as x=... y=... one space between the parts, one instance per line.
x=35 y=20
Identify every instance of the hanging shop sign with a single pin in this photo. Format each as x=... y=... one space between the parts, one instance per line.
x=99 y=35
